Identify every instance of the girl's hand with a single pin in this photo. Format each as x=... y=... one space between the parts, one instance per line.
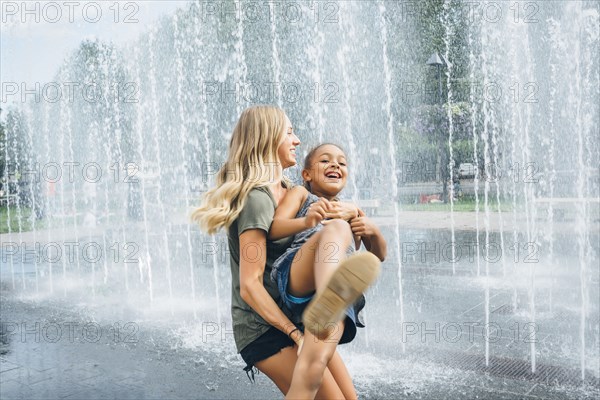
x=317 y=212
x=358 y=238
x=341 y=210
x=363 y=226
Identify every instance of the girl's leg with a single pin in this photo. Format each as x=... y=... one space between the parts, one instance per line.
x=309 y=373
x=319 y=257
x=280 y=367
x=311 y=269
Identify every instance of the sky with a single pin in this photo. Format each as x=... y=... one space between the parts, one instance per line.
x=36 y=36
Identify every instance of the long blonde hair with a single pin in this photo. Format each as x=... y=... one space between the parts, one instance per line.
x=251 y=161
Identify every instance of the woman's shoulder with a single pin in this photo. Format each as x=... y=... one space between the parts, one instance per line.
x=260 y=194
x=258 y=191
x=257 y=211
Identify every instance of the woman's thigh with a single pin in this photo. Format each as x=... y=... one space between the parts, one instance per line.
x=342 y=377
x=280 y=367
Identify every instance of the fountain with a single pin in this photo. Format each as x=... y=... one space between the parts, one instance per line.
x=157 y=130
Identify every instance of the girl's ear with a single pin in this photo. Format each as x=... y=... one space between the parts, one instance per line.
x=306 y=175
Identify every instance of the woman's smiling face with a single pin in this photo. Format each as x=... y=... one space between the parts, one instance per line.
x=287 y=149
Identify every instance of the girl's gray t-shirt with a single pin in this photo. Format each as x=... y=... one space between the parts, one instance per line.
x=257 y=213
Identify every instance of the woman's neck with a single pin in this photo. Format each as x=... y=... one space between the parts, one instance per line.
x=277 y=187
x=278 y=190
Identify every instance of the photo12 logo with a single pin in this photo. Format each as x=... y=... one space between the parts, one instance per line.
x=54 y=252
x=75 y=171
x=519 y=12
x=252 y=92
x=452 y=332
x=52 y=12
x=70 y=92
x=69 y=331
x=289 y=12
x=492 y=252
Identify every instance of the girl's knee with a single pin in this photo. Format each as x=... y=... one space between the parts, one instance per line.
x=313 y=371
x=338 y=226
x=321 y=354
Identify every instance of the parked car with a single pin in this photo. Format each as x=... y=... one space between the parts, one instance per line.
x=466 y=170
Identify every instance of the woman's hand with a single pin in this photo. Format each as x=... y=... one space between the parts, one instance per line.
x=341 y=210
x=299 y=342
x=298 y=338
x=317 y=212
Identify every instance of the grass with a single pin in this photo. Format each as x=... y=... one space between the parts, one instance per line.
x=459 y=206
x=26 y=222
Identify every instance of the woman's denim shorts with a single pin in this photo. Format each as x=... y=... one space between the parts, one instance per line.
x=266 y=345
x=297 y=304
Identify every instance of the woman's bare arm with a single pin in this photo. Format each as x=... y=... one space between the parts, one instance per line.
x=253 y=258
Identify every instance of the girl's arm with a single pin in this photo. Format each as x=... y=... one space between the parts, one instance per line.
x=376 y=244
x=284 y=222
x=253 y=258
x=370 y=235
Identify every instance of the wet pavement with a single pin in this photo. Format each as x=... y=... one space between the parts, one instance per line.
x=98 y=330
x=48 y=352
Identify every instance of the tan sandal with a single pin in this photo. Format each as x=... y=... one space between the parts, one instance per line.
x=352 y=278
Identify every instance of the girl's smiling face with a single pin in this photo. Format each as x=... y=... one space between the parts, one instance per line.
x=327 y=171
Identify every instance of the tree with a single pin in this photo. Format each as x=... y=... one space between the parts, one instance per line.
x=2 y=149
x=433 y=124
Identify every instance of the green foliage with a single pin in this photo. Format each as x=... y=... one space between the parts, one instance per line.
x=462 y=151
x=414 y=147
x=24 y=220
x=423 y=131
x=14 y=132
x=2 y=146
x=433 y=122
x=466 y=204
x=101 y=66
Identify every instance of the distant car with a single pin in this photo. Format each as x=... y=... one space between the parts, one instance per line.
x=466 y=170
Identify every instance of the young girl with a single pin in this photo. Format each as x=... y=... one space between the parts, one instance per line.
x=315 y=262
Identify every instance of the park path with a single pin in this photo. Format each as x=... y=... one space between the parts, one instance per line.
x=427 y=220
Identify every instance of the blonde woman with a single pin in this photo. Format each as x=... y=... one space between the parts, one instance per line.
x=249 y=187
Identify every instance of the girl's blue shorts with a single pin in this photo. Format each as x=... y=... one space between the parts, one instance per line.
x=297 y=304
